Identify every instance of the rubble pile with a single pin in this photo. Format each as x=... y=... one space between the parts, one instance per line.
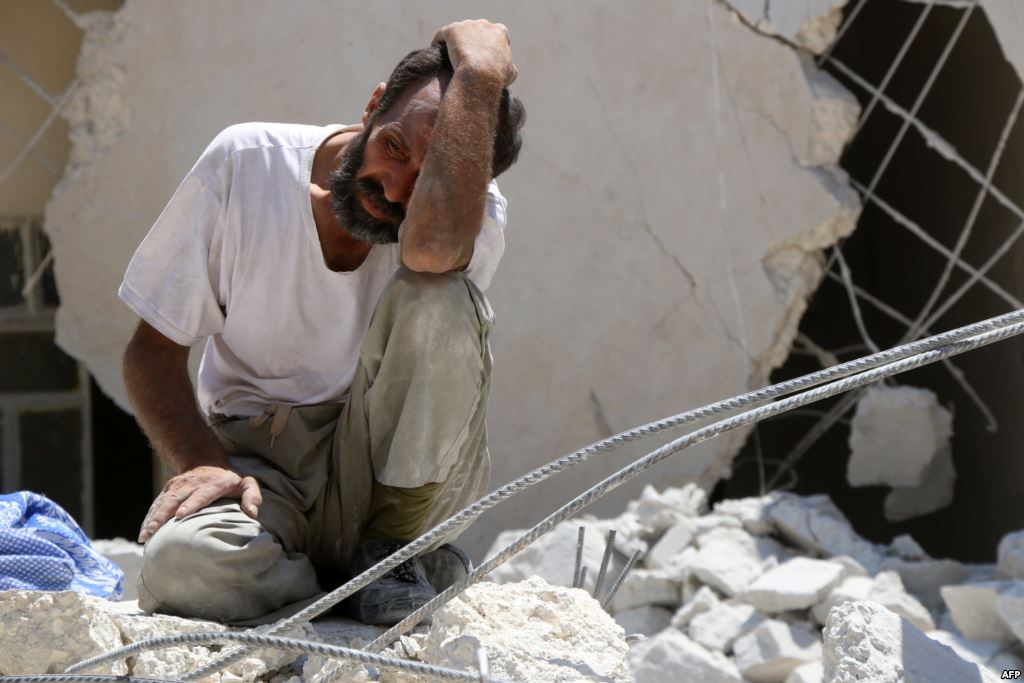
x=781 y=589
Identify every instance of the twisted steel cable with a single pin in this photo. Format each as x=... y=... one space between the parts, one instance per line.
x=542 y=473
x=80 y=678
x=690 y=439
x=275 y=642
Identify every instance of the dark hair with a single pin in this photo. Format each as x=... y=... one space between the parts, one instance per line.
x=433 y=61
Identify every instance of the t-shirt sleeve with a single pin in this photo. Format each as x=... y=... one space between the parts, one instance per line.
x=490 y=243
x=173 y=281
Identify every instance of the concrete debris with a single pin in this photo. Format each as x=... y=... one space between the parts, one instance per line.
x=811 y=672
x=933 y=493
x=996 y=656
x=811 y=24
x=1010 y=558
x=973 y=608
x=887 y=590
x=532 y=631
x=795 y=584
x=772 y=650
x=702 y=601
x=644 y=587
x=815 y=523
x=925 y=578
x=1010 y=607
x=902 y=420
x=671 y=656
x=661 y=510
x=671 y=545
x=864 y=641
x=906 y=548
x=729 y=559
x=128 y=556
x=852 y=589
x=751 y=512
x=718 y=627
x=646 y=621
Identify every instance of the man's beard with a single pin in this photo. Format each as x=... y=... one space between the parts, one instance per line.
x=345 y=198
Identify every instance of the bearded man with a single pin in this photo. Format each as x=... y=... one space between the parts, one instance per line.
x=335 y=274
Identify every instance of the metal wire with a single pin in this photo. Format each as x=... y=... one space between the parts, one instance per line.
x=695 y=437
x=279 y=643
x=561 y=464
x=80 y=678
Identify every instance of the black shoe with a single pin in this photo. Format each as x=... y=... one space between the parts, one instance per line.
x=394 y=596
x=445 y=566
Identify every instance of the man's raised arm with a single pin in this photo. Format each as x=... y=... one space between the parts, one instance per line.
x=156 y=376
x=446 y=206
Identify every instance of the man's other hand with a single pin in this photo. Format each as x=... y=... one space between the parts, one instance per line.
x=196 y=488
x=479 y=44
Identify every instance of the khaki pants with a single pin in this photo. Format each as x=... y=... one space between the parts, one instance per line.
x=415 y=415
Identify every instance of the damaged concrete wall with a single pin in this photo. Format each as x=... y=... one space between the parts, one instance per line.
x=666 y=218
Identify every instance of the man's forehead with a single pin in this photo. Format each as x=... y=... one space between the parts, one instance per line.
x=416 y=110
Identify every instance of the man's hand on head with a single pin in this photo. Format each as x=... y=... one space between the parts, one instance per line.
x=480 y=45
x=196 y=488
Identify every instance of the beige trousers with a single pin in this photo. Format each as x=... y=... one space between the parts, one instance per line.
x=415 y=415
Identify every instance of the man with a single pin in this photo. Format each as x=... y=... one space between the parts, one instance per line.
x=335 y=273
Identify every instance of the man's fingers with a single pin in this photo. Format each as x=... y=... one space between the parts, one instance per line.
x=200 y=498
x=162 y=510
x=251 y=497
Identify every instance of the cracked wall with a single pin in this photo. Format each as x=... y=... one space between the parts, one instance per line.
x=666 y=218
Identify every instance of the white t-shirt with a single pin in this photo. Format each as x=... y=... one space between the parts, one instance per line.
x=235 y=258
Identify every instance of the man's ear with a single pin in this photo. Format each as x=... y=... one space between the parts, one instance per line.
x=371 y=105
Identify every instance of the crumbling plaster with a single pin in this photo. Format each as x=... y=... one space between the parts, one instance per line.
x=666 y=218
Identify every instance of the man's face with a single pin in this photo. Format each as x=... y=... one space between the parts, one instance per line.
x=371 y=188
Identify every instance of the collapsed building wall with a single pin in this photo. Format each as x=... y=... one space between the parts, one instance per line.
x=667 y=215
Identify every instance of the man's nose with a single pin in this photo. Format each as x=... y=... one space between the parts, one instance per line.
x=398 y=186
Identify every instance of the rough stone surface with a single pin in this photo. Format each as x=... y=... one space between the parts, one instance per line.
x=752 y=512
x=815 y=523
x=701 y=601
x=758 y=214
x=672 y=543
x=720 y=626
x=671 y=656
x=770 y=652
x=1010 y=562
x=729 y=559
x=973 y=610
x=531 y=631
x=128 y=556
x=887 y=590
x=933 y=493
x=851 y=589
x=812 y=672
x=795 y=584
x=644 y=587
x=864 y=641
x=925 y=578
x=646 y=621
x=907 y=421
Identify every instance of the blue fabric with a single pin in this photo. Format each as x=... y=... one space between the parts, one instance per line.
x=42 y=548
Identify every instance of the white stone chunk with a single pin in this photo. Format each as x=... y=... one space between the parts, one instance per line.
x=646 y=621
x=553 y=556
x=671 y=656
x=729 y=559
x=671 y=545
x=851 y=589
x=888 y=591
x=925 y=578
x=815 y=523
x=933 y=493
x=864 y=641
x=905 y=547
x=718 y=627
x=795 y=584
x=125 y=554
x=812 y=672
x=751 y=512
x=895 y=434
x=1010 y=563
x=658 y=511
x=532 y=631
x=1010 y=607
x=995 y=656
x=770 y=652
x=712 y=523
x=973 y=609
x=643 y=587
x=702 y=601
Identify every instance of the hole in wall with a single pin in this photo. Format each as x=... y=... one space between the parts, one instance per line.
x=968 y=105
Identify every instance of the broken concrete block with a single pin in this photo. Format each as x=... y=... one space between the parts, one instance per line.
x=887 y=590
x=671 y=656
x=850 y=589
x=895 y=434
x=996 y=656
x=815 y=523
x=531 y=631
x=729 y=559
x=48 y=632
x=773 y=649
x=795 y=584
x=643 y=587
x=702 y=601
x=713 y=522
x=658 y=511
x=905 y=547
x=812 y=672
x=751 y=512
x=866 y=642
x=674 y=541
x=973 y=609
x=925 y=578
x=646 y=621
x=933 y=493
x=552 y=557
x=1010 y=562
x=718 y=627
x=128 y=556
x=1010 y=607
x=851 y=567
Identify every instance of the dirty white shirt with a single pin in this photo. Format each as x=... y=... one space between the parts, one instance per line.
x=235 y=259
